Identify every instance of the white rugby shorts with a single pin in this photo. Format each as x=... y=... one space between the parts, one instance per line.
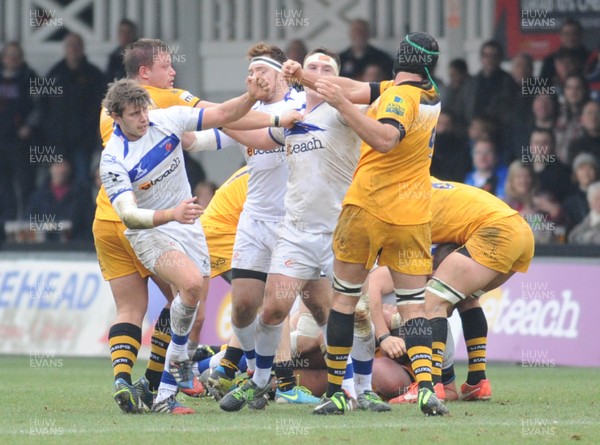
x=150 y=244
x=303 y=255
x=254 y=243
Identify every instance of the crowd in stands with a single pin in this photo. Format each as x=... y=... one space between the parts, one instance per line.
x=532 y=139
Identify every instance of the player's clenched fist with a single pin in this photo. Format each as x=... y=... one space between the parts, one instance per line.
x=187 y=212
x=292 y=70
x=258 y=88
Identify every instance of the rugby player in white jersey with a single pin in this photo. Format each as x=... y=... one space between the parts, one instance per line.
x=143 y=173
x=322 y=154
x=263 y=212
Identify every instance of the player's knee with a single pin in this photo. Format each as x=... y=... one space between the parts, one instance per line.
x=273 y=314
x=191 y=286
x=243 y=310
x=446 y=295
x=346 y=288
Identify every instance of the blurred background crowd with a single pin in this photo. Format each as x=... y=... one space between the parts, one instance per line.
x=526 y=132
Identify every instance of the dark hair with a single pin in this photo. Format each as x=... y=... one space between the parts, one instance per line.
x=124 y=92
x=459 y=65
x=493 y=44
x=570 y=21
x=546 y=131
x=127 y=22
x=140 y=53
x=262 y=49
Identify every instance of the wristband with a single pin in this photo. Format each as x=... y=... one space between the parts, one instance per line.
x=383 y=337
x=274 y=120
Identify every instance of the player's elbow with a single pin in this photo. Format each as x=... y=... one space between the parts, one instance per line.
x=383 y=144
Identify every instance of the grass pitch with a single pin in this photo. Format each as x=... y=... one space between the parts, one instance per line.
x=68 y=401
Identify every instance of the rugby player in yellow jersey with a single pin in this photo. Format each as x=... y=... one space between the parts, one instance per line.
x=220 y=220
x=386 y=213
x=496 y=242
x=147 y=61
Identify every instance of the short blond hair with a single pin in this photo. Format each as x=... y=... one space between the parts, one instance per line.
x=124 y=92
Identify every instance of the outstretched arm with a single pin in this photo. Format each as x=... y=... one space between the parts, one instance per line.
x=262 y=139
x=355 y=91
x=382 y=137
x=234 y=109
x=258 y=119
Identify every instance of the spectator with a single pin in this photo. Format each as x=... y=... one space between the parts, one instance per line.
x=589 y=142
x=71 y=118
x=493 y=92
x=20 y=117
x=454 y=97
x=451 y=160
x=544 y=115
x=588 y=231
x=205 y=190
x=481 y=127
x=521 y=186
x=565 y=65
x=592 y=74
x=126 y=34
x=521 y=68
x=487 y=174
x=571 y=40
x=568 y=124
x=520 y=119
x=554 y=176
x=360 y=54
x=373 y=73
x=62 y=199
x=585 y=172
x=296 y=50
x=545 y=112
x=548 y=222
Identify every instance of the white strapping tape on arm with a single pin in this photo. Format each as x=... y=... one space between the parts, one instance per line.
x=205 y=140
x=130 y=214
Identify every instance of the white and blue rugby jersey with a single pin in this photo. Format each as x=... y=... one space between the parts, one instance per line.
x=152 y=167
x=268 y=169
x=322 y=154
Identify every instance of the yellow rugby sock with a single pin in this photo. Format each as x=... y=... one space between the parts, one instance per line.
x=124 y=340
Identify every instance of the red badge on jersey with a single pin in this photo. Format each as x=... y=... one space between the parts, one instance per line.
x=169 y=146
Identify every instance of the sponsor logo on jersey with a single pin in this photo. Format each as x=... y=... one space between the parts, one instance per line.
x=154 y=157
x=110 y=176
x=187 y=96
x=109 y=159
x=255 y=151
x=313 y=144
x=395 y=107
x=217 y=263
x=146 y=185
x=442 y=185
